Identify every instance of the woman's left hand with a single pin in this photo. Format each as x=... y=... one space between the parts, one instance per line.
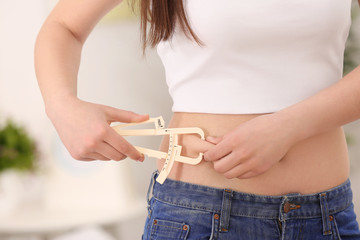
x=253 y=147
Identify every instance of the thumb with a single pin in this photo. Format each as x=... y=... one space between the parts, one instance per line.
x=139 y=117
x=120 y=115
x=214 y=140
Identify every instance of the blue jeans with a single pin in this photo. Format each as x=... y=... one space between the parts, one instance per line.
x=179 y=210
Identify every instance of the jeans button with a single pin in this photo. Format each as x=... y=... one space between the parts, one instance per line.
x=286 y=207
x=289 y=206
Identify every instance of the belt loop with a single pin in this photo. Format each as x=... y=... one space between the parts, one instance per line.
x=325 y=214
x=225 y=210
x=151 y=185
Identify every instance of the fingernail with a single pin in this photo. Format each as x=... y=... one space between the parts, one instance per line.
x=141 y=158
x=210 y=138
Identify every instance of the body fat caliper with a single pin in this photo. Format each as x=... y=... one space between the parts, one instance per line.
x=174 y=152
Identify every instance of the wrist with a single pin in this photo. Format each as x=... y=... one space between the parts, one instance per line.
x=294 y=125
x=58 y=102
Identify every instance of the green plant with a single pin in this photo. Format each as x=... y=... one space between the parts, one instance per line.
x=350 y=140
x=352 y=51
x=351 y=55
x=17 y=149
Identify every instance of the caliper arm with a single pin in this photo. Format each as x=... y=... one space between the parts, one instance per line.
x=174 y=151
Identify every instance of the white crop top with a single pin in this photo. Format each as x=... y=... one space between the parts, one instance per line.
x=259 y=56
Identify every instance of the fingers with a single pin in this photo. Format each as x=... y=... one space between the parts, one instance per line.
x=84 y=129
x=237 y=171
x=122 y=146
x=97 y=156
x=106 y=152
x=103 y=152
x=86 y=159
x=192 y=145
x=91 y=157
x=232 y=166
x=109 y=152
x=218 y=151
x=226 y=163
x=105 y=144
x=214 y=140
x=119 y=115
x=201 y=146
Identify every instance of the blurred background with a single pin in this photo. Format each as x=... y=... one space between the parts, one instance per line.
x=44 y=193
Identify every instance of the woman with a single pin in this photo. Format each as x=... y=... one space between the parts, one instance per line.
x=262 y=79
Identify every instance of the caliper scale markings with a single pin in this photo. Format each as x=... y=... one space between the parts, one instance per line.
x=174 y=151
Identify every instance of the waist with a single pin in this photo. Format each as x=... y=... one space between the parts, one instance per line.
x=312 y=165
x=289 y=206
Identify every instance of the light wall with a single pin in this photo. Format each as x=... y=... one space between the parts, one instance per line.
x=112 y=72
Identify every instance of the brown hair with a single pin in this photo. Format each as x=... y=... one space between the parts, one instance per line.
x=162 y=16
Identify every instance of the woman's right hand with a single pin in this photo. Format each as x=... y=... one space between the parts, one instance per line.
x=84 y=129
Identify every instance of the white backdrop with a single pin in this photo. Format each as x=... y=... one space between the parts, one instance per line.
x=112 y=72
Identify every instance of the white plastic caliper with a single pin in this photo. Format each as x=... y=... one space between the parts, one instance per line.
x=174 y=151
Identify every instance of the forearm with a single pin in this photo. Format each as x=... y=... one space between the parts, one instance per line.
x=57 y=60
x=330 y=108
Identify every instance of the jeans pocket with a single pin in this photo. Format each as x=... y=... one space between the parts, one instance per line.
x=344 y=224
x=169 y=230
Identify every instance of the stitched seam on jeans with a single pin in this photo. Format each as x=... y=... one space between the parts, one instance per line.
x=333 y=191
x=213 y=210
x=159 y=225
x=247 y=215
x=339 y=210
x=187 y=206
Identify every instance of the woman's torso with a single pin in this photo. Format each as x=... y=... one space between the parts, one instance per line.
x=259 y=57
x=312 y=165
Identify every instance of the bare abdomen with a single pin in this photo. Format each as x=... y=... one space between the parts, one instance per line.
x=312 y=165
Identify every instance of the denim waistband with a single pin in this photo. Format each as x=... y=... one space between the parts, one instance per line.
x=290 y=206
